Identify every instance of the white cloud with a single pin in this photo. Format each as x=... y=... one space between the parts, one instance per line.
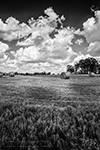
x=3 y=58
x=41 y=67
x=27 y=54
x=65 y=35
x=50 y=12
x=51 y=56
x=79 y=41
x=13 y=29
x=42 y=27
x=8 y=36
x=92 y=28
x=89 y=24
x=94 y=47
x=3 y=47
x=30 y=41
x=79 y=57
x=62 y=57
x=10 y=24
x=11 y=63
x=78 y=32
x=40 y=52
x=56 y=52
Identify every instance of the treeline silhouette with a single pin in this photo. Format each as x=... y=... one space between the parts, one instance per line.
x=31 y=74
x=25 y=74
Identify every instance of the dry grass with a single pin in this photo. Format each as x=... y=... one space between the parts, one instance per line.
x=49 y=90
x=49 y=128
x=49 y=113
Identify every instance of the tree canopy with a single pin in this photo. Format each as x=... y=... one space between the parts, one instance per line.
x=89 y=64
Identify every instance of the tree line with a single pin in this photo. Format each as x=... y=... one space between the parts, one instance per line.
x=84 y=66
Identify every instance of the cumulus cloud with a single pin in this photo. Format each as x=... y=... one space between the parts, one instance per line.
x=27 y=54
x=3 y=58
x=10 y=24
x=42 y=27
x=94 y=47
x=38 y=50
x=92 y=28
x=49 y=53
x=79 y=41
x=39 y=67
x=3 y=47
x=12 y=29
x=50 y=12
x=30 y=41
x=10 y=63
x=53 y=54
x=79 y=57
x=91 y=31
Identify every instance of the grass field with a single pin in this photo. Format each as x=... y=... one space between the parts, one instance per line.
x=49 y=113
x=50 y=90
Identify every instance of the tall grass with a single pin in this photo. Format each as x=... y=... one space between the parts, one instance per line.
x=49 y=128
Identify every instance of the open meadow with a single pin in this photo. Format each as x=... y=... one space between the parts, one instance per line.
x=48 y=91
x=49 y=113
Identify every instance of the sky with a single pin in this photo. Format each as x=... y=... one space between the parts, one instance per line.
x=47 y=36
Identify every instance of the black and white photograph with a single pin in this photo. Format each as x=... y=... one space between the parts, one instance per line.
x=50 y=75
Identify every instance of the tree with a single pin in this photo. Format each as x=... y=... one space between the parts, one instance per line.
x=76 y=67
x=91 y=64
x=98 y=68
x=70 y=68
x=82 y=65
x=16 y=73
x=88 y=65
x=49 y=73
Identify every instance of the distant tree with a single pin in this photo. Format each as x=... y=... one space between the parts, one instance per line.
x=27 y=74
x=11 y=74
x=83 y=67
x=16 y=73
x=36 y=73
x=89 y=64
x=53 y=74
x=49 y=73
x=43 y=73
x=98 y=68
x=70 y=68
x=76 y=67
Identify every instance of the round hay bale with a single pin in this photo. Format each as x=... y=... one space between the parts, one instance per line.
x=64 y=75
x=1 y=74
x=11 y=74
x=91 y=74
